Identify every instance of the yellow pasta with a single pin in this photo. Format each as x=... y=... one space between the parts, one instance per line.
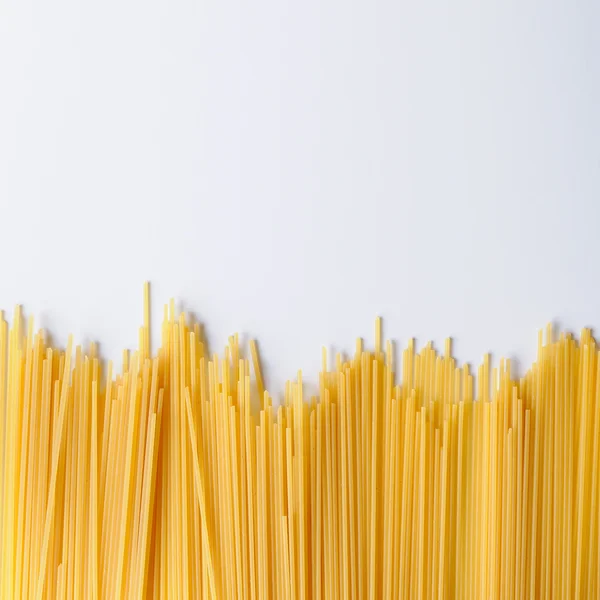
x=177 y=476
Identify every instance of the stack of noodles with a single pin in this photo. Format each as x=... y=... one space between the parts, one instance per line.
x=178 y=477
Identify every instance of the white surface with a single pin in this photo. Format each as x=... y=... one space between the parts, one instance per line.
x=290 y=170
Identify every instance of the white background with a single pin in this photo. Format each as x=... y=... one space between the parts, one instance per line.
x=290 y=170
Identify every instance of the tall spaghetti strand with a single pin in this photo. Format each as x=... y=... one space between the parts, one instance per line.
x=176 y=475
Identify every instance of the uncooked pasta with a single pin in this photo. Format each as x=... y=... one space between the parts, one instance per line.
x=177 y=475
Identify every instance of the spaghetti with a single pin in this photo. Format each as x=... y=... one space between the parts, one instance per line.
x=178 y=477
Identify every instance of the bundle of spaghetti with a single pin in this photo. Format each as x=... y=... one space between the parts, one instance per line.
x=179 y=477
